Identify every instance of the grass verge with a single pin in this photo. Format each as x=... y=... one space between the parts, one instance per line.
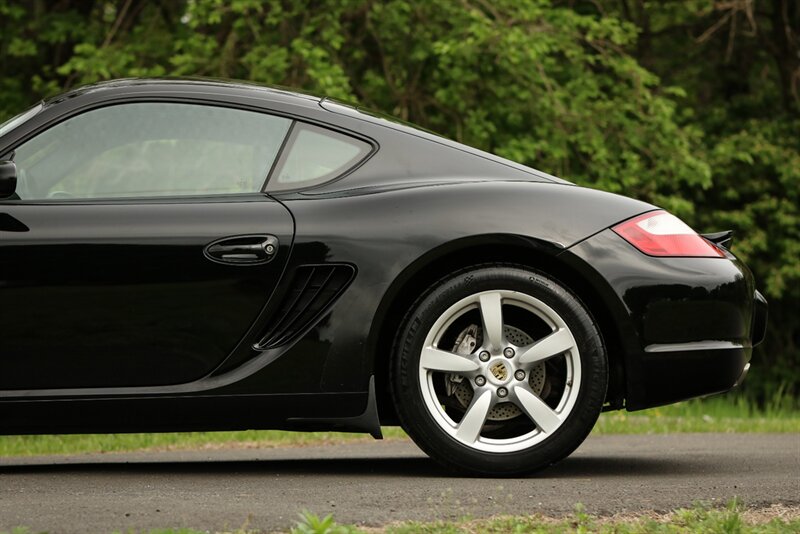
x=728 y=413
x=719 y=414
x=733 y=519
x=104 y=443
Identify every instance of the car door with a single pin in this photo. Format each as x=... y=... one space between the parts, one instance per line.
x=141 y=249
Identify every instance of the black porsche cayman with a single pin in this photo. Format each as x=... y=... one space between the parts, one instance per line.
x=200 y=255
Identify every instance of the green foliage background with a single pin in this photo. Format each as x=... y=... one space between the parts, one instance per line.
x=693 y=105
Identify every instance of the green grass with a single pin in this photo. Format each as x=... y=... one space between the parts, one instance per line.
x=86 y=443
x=719 y=414
x=733 y=519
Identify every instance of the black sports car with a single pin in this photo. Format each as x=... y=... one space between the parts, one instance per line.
x=200 y=255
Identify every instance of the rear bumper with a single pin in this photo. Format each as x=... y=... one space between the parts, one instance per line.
x=687 y=372
x=686 y=326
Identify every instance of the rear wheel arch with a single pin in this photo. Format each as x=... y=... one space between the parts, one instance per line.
x=498 y=249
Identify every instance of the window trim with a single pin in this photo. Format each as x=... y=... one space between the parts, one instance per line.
x=18 y=120
x=255 y=196
x=280 y=155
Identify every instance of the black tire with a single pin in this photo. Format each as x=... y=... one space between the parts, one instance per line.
x=407 y=392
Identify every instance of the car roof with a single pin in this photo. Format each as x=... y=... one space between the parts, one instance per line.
x=188 y=84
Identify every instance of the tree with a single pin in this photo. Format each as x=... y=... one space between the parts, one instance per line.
x=692 y=105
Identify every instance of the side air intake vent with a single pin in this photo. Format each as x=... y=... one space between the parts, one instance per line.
x=313 y=290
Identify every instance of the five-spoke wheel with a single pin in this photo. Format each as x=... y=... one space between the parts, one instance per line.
x=500 y=371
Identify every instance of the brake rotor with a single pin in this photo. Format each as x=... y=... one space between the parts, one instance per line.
x=462 y=390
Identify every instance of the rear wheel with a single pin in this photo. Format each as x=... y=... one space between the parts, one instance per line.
x=498 y=370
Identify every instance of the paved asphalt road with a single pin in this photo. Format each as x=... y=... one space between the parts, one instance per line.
x=379 y=482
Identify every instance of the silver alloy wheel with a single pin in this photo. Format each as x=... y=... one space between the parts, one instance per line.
x=498 y=372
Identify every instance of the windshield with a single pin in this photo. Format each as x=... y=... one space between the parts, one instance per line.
x=19 y=119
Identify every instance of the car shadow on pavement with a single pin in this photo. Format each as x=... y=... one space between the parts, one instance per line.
x=615 y=466
x=402 y=467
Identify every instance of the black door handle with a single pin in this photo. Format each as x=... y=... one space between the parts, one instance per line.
x=243 y=250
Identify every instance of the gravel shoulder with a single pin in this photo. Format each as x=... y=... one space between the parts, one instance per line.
x=375 y=483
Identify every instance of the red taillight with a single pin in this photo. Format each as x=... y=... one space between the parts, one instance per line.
x=659 y=233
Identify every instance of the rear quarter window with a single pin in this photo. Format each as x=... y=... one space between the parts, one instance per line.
x=315 y=155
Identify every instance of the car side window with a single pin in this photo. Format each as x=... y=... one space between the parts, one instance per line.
x=315 y=155
x=151 y=150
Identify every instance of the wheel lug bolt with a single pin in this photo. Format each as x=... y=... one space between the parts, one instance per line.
x=480 y=381
x=519 y=374
x=502 y=392
x=508 y=352
x=484 y=356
